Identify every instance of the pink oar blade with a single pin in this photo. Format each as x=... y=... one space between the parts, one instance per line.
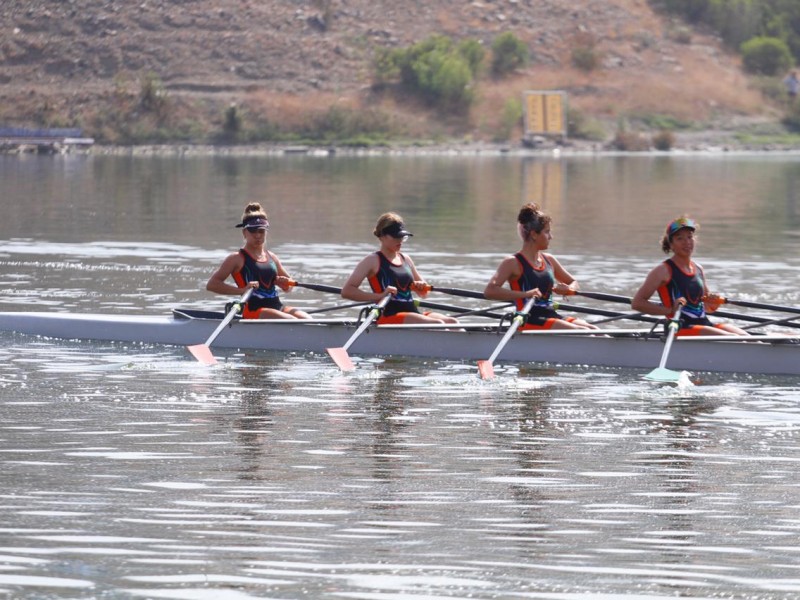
x=485 y=369
x=341 y=358
x=202 y=353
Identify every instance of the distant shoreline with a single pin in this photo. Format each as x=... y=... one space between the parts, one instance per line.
x=700 y=143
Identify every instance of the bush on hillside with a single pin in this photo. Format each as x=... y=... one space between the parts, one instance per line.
x=436 y=69
x=509 y=53
x=766 y=56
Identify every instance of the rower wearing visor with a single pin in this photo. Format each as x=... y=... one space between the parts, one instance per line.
x=391 y=272
x=254 y=266
x=681 y=281
x=534 y=273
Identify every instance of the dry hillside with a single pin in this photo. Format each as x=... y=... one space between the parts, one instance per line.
x=63 y=61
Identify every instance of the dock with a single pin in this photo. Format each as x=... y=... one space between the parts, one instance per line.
x=42 y=141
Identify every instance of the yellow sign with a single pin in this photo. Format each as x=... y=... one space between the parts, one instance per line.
x=545 y=113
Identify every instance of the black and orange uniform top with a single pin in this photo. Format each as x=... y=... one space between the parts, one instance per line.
x=266 y=294
x=399 y=276
x=542 y=315
x=690 y=285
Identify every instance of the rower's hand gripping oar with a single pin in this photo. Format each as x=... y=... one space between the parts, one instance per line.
x=202 y=352
x=661 y=373
x=339 y=355
x=485 y=368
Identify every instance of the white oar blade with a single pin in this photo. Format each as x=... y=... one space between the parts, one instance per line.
x=202 y=353
x=341 y=358
x=485 y=369
x=663 y=375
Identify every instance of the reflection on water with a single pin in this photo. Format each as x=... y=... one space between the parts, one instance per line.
x=277 y=476
x=132 y=471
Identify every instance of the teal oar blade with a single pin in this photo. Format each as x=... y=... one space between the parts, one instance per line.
x=202 y=352
x=661 y=373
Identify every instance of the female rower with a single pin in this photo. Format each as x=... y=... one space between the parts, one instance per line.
x=680 y=280
x=533 y=273
x=391 y=272
x=257 y=267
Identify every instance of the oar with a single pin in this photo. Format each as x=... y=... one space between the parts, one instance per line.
x=202 y=352
x=485 y=368
x=604 y=297
x=785 y=321
x=454 y=292
x=661 y=373
x=747 y=304
x=317 y=287
x=337 y=307
x=339 y=355
x=487 y=312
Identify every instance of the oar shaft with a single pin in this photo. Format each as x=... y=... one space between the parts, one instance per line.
x=229 y=317
x=458 y=292
x=317 y=287
x=517 y=321
x=748 y=304
x=373 y=314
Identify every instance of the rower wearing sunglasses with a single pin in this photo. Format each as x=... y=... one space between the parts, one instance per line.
x=391 y=272
x=254 y=266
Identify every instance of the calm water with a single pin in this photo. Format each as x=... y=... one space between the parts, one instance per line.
x=130 y=471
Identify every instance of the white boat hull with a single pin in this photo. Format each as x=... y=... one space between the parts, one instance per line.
x=772 y=355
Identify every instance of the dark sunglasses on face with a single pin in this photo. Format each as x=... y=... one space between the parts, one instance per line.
x=256 y=229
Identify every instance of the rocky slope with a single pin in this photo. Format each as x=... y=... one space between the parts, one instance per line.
x=59 y=55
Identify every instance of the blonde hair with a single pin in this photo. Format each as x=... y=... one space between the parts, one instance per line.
x=384 y=221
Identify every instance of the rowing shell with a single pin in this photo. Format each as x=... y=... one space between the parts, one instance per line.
x=626 y=348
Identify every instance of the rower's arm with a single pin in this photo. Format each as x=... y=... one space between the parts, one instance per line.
x=351 y=290
x=657 y=277
x=216 y=283
x=496 y=290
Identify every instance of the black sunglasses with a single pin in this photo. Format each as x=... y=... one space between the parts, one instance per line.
x=255 y=229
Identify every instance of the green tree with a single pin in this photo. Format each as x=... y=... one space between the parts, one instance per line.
x=508 y=54
x=766 y=56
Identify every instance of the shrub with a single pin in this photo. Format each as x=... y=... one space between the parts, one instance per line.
x=580 y=126
x=766 y=56
x=509 y=119
x=664 y=140
x=474 y=53
x=152 y=97
x=232 y=122
x=509 y=53
x=585 y=58
x=792 y=118
x=435 y=69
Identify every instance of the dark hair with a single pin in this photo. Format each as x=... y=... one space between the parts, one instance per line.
x=253 y=210
x=532 y=219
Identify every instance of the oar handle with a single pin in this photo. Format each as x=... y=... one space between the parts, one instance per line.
x=235 y=310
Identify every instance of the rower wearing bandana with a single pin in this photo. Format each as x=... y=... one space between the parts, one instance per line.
x=256 y=267
x=391 y=272
x=533 y=273
x=681 y=281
